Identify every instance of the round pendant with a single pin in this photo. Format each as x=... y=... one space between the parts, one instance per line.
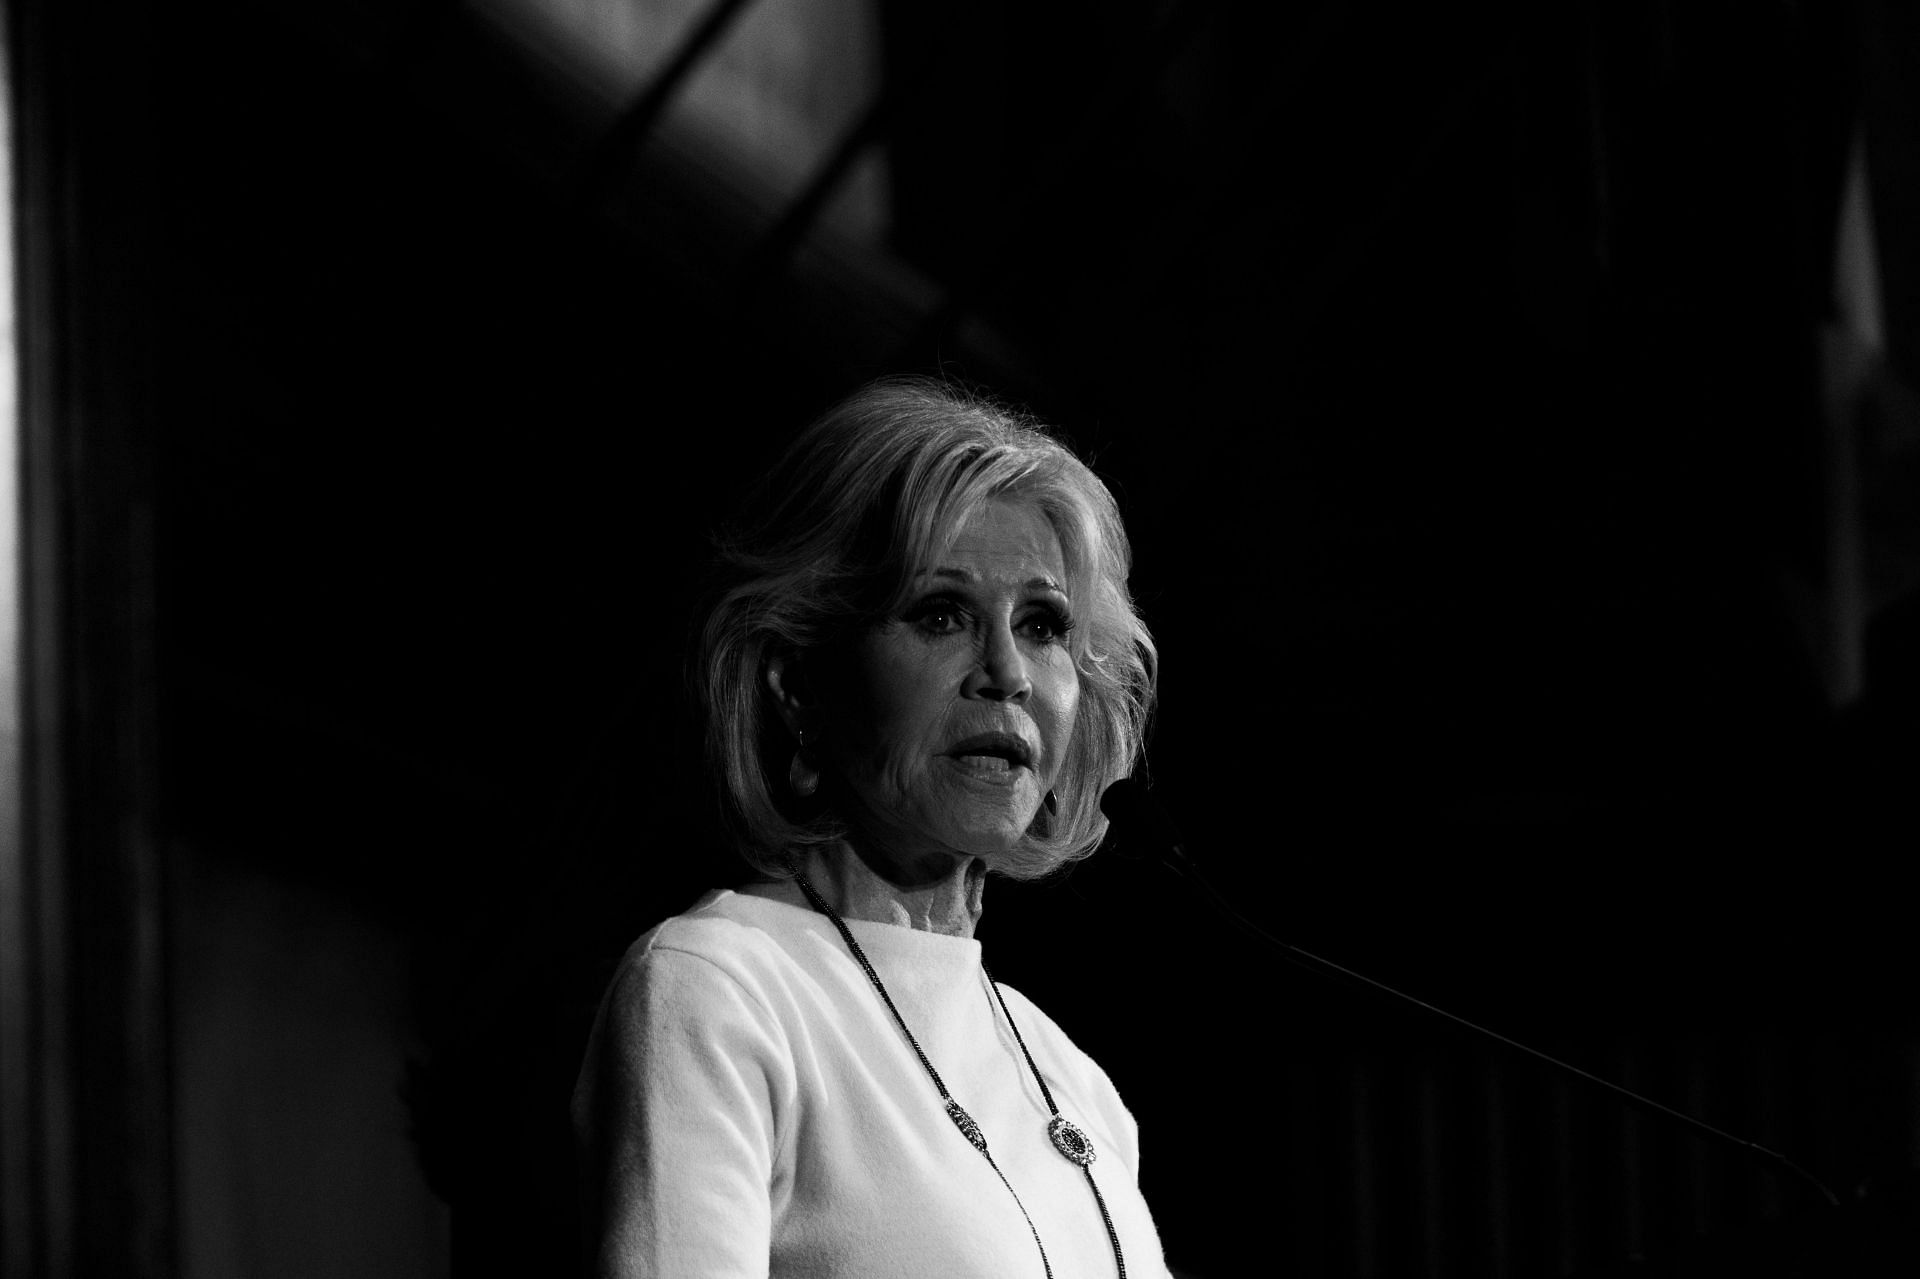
x=1070 y=1141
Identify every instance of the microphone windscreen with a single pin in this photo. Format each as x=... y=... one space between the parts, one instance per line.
x=1138 y=817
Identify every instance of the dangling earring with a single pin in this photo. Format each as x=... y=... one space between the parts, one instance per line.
x=802 y=776
x=1051 y=803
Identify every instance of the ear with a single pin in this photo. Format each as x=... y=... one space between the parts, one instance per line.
x=786 y=678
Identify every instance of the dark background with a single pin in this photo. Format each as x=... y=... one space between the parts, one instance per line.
x=1470 y=380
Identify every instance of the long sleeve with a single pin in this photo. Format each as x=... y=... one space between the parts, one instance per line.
x=675 y=1111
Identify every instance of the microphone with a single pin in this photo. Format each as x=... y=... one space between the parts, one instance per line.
x=1143 y=822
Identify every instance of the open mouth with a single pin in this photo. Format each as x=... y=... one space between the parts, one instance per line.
x=993 y=752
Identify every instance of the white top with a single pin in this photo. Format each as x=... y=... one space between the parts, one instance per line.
x=748 y=1106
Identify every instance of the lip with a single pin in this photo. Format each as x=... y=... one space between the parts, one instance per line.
x=1015 y=749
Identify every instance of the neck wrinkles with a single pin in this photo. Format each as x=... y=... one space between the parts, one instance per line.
x=860 y=886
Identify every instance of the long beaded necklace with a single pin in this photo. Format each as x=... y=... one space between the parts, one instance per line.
x=1075 y=1145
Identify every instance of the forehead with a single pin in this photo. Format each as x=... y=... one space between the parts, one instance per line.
x=1006 y=540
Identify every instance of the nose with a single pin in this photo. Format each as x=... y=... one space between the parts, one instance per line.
x=1001 y=674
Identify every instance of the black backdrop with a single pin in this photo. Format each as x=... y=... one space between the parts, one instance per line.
x=1460 y=376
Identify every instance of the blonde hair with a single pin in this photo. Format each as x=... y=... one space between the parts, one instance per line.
x=827 y=547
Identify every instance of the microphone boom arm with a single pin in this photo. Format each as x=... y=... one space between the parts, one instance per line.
x=1135 y=800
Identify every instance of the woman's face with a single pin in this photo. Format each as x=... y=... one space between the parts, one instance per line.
x=952 y=719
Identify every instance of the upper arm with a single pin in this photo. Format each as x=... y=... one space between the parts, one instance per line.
x=676 y=1119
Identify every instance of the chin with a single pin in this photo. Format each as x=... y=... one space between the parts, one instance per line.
x=1002 y=846
x=980 y=821
x=991 y=835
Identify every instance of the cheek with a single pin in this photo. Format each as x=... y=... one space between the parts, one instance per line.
x=893 y=712
x=1062 y=713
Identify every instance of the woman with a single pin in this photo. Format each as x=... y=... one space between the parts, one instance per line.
x=923 y=668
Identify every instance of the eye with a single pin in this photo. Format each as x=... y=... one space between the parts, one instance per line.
x=938 y=615
x=1046 y=624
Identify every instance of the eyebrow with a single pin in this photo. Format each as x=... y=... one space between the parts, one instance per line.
x=970 y=577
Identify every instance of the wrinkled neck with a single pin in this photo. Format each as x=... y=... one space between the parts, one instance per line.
x=935 y=899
